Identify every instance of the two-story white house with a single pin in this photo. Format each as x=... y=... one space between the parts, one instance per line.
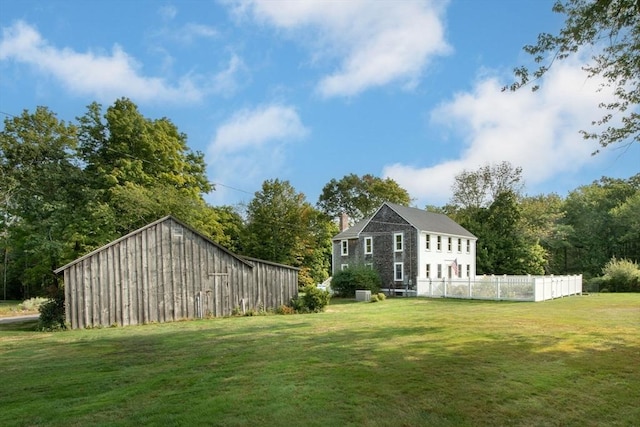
x=410 y=248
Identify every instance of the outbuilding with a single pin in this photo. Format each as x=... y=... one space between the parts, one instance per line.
x=168 y=271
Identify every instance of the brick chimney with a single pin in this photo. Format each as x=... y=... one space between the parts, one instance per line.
x=344 y=221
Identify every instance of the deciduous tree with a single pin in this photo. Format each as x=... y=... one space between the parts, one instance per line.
x=609 y=30
x=359 y=197
x=283 y=227
x=479 y=188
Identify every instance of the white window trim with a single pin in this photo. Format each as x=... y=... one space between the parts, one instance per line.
x=344 y=247
x=368 y=265
x=370 y=240
x=395 y=242
x=344 y=266
x=459 y=245
x=449 y=244
x=439 y=243
x=427 y=246
x=395 y=265
x=468 y=246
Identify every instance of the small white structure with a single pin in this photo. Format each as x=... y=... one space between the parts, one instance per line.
x=363 y=295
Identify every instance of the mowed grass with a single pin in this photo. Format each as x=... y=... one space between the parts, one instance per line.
x=9 y=308
x=401 y=362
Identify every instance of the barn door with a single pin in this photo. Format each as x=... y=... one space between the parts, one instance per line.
x=215 y=296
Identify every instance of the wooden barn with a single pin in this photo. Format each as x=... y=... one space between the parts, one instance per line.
x=168 y=271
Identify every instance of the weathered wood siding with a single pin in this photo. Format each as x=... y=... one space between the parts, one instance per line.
x=165 y=272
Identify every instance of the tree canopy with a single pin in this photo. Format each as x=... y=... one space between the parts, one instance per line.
x=359 y=197
x=68 y=189
x=479 y=188
x=610 y=31
x=283 y=227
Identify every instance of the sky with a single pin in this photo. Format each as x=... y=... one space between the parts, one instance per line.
x=310 y=91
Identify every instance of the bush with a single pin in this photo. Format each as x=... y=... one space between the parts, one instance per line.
x=621 y=276
x=312 y=300
x=595 y=284
x=52 y=316
x=382 y=296
x=285 y=309
x=345 y=282
x=33 y=303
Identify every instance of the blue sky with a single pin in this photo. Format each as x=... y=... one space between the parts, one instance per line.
x=310 y=91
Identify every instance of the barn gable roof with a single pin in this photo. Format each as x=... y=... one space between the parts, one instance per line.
x=159 y=221
x=421 y=220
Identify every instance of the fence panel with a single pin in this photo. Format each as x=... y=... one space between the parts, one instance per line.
x=508 y=288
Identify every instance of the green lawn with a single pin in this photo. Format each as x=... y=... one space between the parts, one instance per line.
x=401 y=362
x=9 y=308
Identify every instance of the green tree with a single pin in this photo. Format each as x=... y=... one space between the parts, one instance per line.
x=359 y=197
x=503 y=247
x=42 y=199
x=283 y=227
x=610 y=31
x=142 y=169
x=597 y=215
x=540 y=221
x=479 y=188
x=232 y=226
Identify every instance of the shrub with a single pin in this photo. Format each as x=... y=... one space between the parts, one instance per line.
x=52 y=313
x=595 y=284
x=312 y=300
x=621 y=276
x=285 y=309
x=374 y=298
x=33 y=303
x=345 y=282
x=382 y=296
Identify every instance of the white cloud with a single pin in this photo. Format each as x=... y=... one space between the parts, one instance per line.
x=105 y=76
x=168 y=12
x=538 y=131
x=376 y=43
x=226 y=81
x=251 y=146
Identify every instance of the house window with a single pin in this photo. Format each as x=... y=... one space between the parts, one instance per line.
x=468 y=270
x=449 y=271
x=368 y=265
x=459 y=271
x=344 y=266
x=368 y=245
x=397 y=242
x=398 y=271
x=449 y=244
x=459 y=245
x=428 y=271
x=439 y=243
x=344 y=247
x=427 y=242
x=439 y=271
x=468 y=245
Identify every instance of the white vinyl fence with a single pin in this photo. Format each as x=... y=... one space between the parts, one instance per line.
x=510 y=288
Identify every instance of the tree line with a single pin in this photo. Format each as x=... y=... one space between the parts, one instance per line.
x=69 y=188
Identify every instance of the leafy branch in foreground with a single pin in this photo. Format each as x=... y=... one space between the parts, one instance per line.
x=611 y=30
